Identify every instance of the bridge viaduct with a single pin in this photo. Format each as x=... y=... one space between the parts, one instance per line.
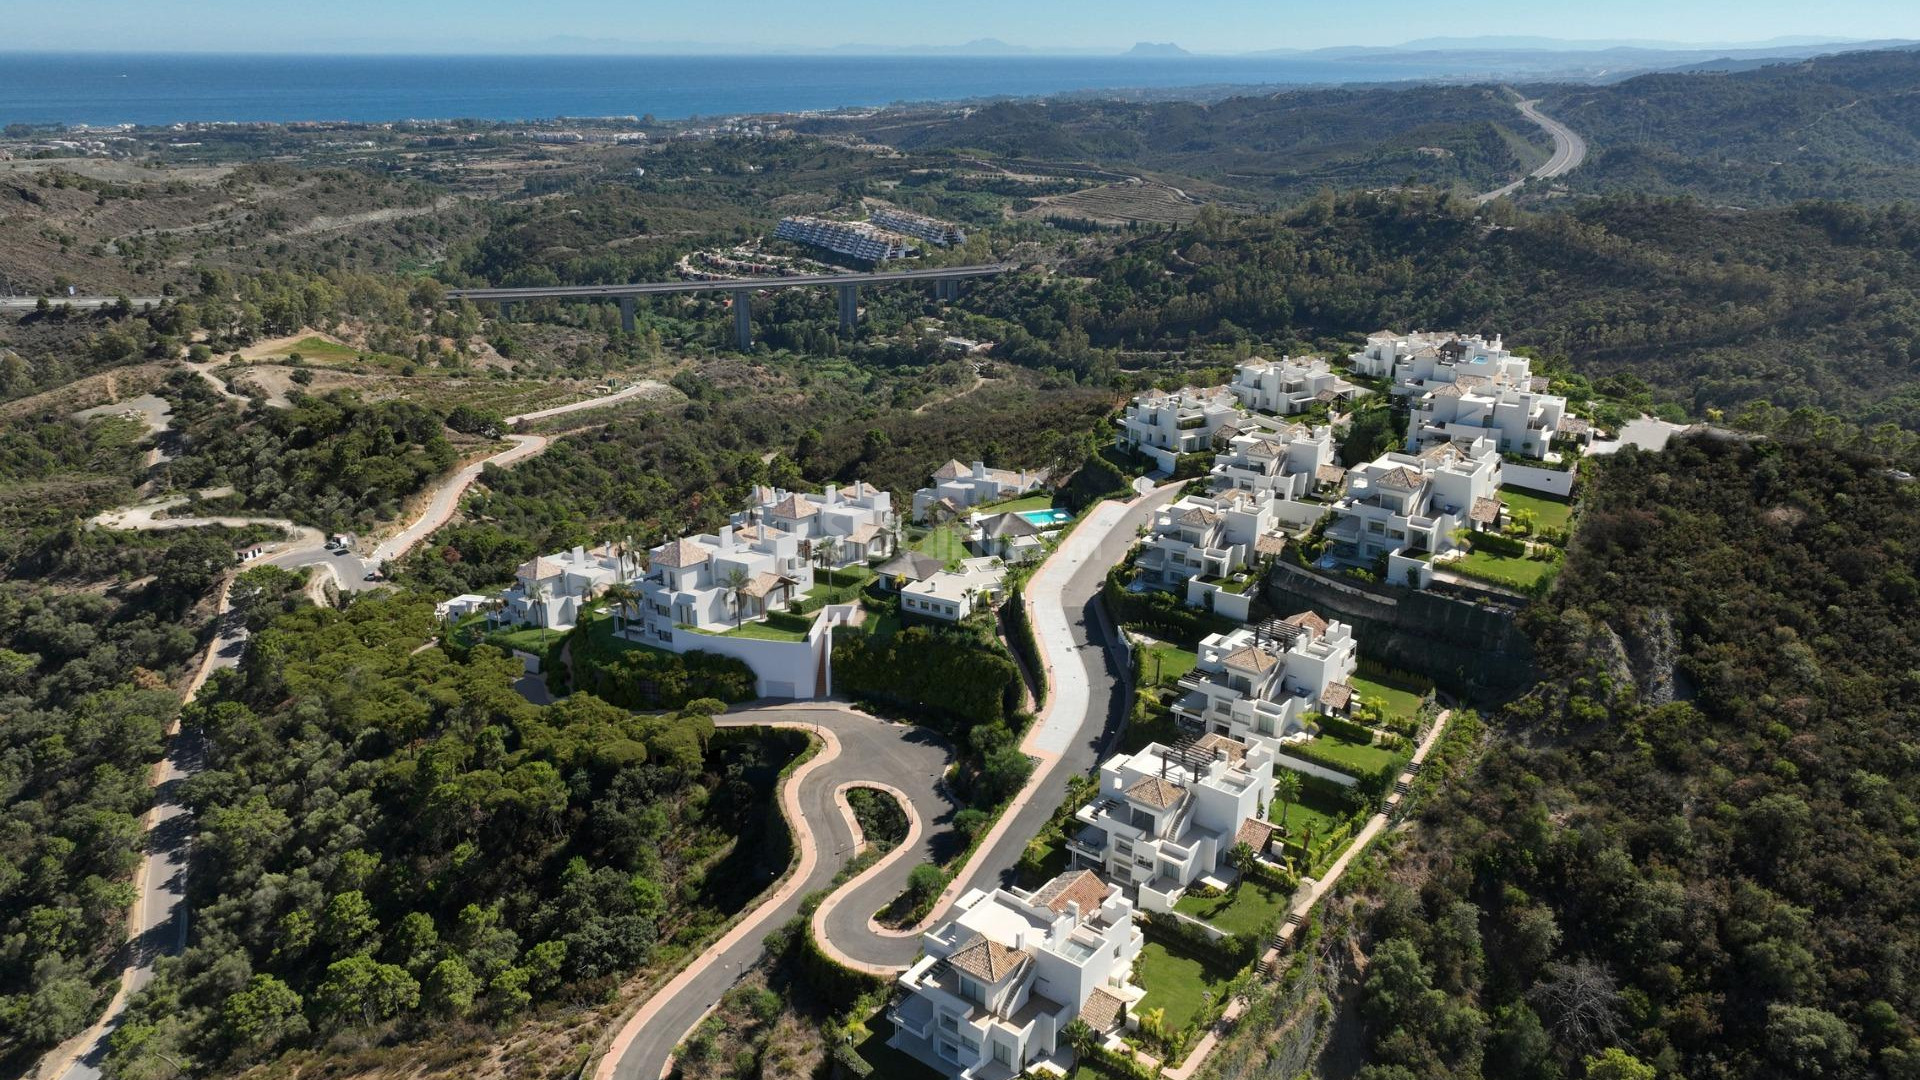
x=946 y=286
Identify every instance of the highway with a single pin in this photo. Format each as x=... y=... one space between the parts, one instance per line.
x=23 y=304
x=1086 y=706
x=1569 y=150
x=650 y=288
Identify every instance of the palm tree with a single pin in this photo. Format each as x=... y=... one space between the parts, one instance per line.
x=1286 y=788
x=826 y=551
x=619 y=595
x=536 y=593
x=736 y=583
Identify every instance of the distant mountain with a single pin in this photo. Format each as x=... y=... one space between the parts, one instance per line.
x=1148 y=48
x=1548 y=44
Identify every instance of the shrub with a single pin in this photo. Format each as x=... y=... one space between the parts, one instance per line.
x=1342 y=728
x=1495 y=544
x=946 y=672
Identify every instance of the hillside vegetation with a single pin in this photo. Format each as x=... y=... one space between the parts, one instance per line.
x=1696 y=842
x=1838 y=127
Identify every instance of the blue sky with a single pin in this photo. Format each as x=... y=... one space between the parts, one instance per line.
x=1201 y=25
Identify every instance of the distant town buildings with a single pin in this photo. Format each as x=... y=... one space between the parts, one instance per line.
x=854 y=239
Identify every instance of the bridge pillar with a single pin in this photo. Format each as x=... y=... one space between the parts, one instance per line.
x=506 y=311
x=743 y=319
x=849 y=308
x=626 y=314
x=946 y=289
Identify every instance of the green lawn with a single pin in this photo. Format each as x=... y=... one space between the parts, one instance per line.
x=530 y=639
x=323 y=353
x=947 y=542
x=1172 y=662
x=1042 y=501
x=1514 y=573
x=1548 y=511
x=1354 y=757
x=1175 y=982
x=601 y=639
x=887 y=1061
x=764 y=632
x=1308 y=811
x=1251 y=907
x=1393 y=701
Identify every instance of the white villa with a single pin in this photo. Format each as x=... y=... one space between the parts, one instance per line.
x=851 y=525
x=548 y=590
x=957 y=488
x=1167 y=817
x=712 y=581
x=1009 y=537
x=1256 y=684
x=1163 y=426
x=998 y=982
x=1289 y=385
x=1205 y=549
x=952 y=595
x=1407 y=507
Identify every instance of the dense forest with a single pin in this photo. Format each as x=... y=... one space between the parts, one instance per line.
x=1276 y=147
x=392 y=841
x=87 y=689
x=1816 y=304
x=1836 y=127
x=1693 y=847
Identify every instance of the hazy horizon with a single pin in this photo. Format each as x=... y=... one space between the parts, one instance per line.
x=1222 y=27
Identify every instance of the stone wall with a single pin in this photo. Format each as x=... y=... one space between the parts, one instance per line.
x=1469 y=645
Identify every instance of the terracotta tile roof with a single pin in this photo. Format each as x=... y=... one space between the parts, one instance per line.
x=1328 y=397
x=863 y=534
x=1103 y=1012
x=1213 y=741
x=793 y=507
x=1472 y=382
x=1251 y=659
x=1336 y=695
x=1269 y=544
x=1309 y=621
x=1198 y=515
x=1329 y=474
x=1484 y=511
x=952 y=470
x=681 y=554
x=1255 y=834
x=1403 y=478
x=1538 y=384
x=539 y=568
x=1440 y=452
x=1155 y=792
x=1574 y=425
x=986 y=960
x=762 y=584
x=748 y=534
x=860 y=489
x=1082 y=887
x=1450 y=390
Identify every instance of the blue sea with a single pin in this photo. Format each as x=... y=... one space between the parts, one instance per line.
x=98 y=88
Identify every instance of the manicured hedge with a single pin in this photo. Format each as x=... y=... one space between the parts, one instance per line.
x=1342 y=728
x=651 y=679
x=1020 y=636
x=1495 y=544
x=1232 y=952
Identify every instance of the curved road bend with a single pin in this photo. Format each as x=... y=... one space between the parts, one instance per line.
x=1569 y=150
x=1086 y=706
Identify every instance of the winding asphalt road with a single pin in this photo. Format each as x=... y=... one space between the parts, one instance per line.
x=1086 y=705
x=1569 y=150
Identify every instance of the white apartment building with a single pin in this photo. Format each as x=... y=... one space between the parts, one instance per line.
x=1163 y=426
x=1289 y=385
x=1407 y=507
x=1291 y=463
x=1465 y=388
x=855 y=239
x=1204 y=548
x=850 y=525
x=999 y=981
x=691 y=582
x=1257 y=684
x=958 y=487
x=1167 y=817
x=919 y=226
x=952 y=595
x=548 y=590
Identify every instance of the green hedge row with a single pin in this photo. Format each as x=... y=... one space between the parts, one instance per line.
x=946 y=672
x=1021 y=637
x=651 y=679
x=1342 y=728
x=1232 y=952
x=1495 y=544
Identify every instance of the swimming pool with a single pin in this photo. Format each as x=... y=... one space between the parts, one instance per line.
x=1047 y=518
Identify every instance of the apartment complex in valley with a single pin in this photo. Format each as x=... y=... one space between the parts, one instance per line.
x=855 y=239
x=1407 y=507
x=1257 y=684
x=919 y=226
